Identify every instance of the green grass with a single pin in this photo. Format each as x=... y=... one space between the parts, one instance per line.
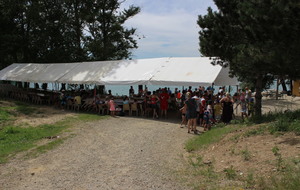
x=287 y=174
x=4 y=115
x=25 y=108
x=90 y=117
x=14 y=139
x=288 y=121
x=230 y=173
x=274 y=116
x=246 y=154
x=288 y=179
x=257 y=131
x=44 y=148
x=10 y=113
x=209 y=137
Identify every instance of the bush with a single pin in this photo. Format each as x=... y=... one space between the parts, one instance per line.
x=282 y=125
x=283 y=121
x=295 y=126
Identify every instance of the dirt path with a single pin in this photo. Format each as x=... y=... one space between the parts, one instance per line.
x=115 y=153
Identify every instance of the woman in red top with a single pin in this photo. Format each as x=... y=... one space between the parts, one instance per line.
x=153 y=102
x=164 y=97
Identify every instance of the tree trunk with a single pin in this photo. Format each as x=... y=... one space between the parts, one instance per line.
x=258 y=96
x=284 y=88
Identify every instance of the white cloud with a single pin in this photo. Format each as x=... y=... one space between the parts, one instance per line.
x=169 y=27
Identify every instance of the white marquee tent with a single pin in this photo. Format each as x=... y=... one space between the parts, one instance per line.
x=186 y=71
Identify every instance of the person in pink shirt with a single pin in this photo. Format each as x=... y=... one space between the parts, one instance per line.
x=112 y=107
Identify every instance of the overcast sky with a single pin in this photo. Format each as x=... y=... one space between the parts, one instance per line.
x=167 y=28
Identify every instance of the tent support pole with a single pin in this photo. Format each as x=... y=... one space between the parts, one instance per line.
x=277 y=87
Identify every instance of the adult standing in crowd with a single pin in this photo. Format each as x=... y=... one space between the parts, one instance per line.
x=164 y=97
x=227 y=105
x=153 y=102
x=131 y=91
x=191 y=112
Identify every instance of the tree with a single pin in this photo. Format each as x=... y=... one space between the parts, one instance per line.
x=252 y=38
x=64 y=31
x=9 y=38
x=108 y=39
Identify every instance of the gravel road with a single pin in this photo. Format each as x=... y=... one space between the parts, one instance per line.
x=115 y=153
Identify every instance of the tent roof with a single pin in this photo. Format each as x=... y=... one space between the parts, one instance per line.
x=156 y=71
x=187 y=71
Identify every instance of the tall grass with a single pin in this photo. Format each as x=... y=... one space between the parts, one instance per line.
x=273 y=116
x=288 y=180
x=280 y=121
x=214 y=135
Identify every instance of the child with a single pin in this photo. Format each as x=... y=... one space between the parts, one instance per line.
x=206 y=118
x=218 y=110
x=244 y=108
x=183 y=117
x=211 y=111
x=112 y=107
x=251 y=107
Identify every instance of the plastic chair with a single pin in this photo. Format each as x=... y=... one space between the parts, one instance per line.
x=141 y=109
x=126 y=107
x=134 y=108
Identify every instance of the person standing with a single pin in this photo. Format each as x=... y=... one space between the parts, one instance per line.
x=153 y=102
x=131 y=91
x=183 y=116
x=244 y=108
x=202 y=107
x=112 y=107
x=191 y=112
x=164 y=97
x=227 y=105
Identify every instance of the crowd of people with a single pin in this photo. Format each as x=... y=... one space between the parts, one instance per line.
x=198 y=107
x=204 y=108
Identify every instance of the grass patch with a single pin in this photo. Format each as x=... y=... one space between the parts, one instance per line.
x=24 y=108
x=14 y=139
x=250 y=180
x=209 y=137
x=9 y=113
x=257 y=131
x=246 y=154
x=288 y=179
x=44 y=148
x=90 y=117
x=230 y=173
x=274 y=116
x=287 y=172
x=280 y=121
x=196 y=162
x=4 y=115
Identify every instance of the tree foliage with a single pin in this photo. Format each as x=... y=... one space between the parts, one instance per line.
x=64 y=31
x=256 y=39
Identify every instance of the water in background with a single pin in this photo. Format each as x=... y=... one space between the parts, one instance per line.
x=124 y=89
x=119 y=90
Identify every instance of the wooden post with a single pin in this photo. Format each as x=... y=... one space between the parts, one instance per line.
x=277 y=87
